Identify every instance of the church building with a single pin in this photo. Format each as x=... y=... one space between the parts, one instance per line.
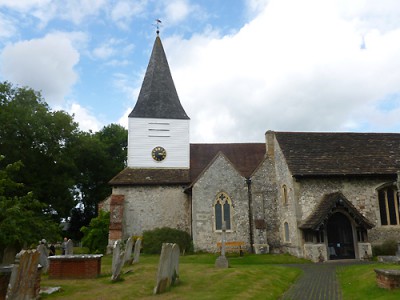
x=321 y=196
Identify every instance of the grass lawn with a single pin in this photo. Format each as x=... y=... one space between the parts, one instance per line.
x=249 y=277
x=359 y=282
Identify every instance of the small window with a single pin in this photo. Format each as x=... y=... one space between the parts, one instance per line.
x=286 y=227
x=389 y=206
x=284 y=195
x=222 y=210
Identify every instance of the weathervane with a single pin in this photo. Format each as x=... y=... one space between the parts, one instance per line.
x=158 y=22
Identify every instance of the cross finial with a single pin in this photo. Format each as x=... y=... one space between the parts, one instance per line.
x=158 y=22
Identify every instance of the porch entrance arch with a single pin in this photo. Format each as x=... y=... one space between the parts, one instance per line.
x=340 y=237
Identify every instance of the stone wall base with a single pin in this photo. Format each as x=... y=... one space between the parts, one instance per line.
x=315 y=252
x=364 y=251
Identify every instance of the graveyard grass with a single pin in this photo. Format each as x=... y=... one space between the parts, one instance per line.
x=249 y=277
x=359 y=282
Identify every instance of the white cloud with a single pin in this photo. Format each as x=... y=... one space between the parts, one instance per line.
x=46 y=10
x=77 y=10
x=84 y=117
x=297 y=66
x=45 y=64
x=24 y=5
x=177 y=10
x=7 y=26
x=123 y=12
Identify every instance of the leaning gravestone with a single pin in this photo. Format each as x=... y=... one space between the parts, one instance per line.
x=24 y=282
x=69 y=249
x=43 y=257
x=136 y=252
x=168 y=267
x=128 y=251
x=117 y=261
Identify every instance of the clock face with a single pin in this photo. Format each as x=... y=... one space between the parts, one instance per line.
x=158 y=153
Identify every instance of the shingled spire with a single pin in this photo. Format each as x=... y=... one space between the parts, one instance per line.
x=158 y=97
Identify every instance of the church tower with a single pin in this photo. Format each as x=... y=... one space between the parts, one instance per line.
x=158 y=126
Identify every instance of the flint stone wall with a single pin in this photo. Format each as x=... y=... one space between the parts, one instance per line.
x=315 y=252
x=221 y=176
x=150 y=207
x=287 y=212
x=360 y=192
x=264 y=198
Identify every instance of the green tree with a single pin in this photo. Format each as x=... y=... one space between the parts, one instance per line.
x=65 y=168
x=99 y=157
x=96 y=234
x=42 y=140
x=22 y=218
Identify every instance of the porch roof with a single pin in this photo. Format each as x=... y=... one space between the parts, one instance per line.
x=327 y=207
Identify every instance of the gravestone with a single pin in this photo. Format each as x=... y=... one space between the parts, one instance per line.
x=128 y=251
x=117 y=261
x=24 y=282
x=136 y=252
x=43 y=256
x=174 y=269
x=69 y=249
x=9 y=255
x=168 y=268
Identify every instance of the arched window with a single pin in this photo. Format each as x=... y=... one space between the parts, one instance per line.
x=284 y=195
x=389 y=206
x=286 y=228
x=222 y=209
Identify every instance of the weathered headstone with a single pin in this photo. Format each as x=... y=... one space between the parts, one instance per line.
x=69 y=249
x=117 y=261
x=43 y=256
x=174 y=269
x=136 y=251
x=9 y=255
x=24 y=277
x=222 y=262
x=168 y=267
x=128 y=250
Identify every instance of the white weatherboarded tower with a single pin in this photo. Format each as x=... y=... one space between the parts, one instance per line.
x=158 y=125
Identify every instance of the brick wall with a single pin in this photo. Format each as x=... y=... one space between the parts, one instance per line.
x=388 y=279
x=63 y=267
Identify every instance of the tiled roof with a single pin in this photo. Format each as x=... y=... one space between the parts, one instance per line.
x=136 y=176
x=244 y=157
x=327 y=207
x=158 y=97
x=331 y=154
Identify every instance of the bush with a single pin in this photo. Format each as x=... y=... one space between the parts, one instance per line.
x=388 y=247
x=153 y=240
x=96 y=234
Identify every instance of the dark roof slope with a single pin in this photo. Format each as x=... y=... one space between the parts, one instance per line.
x=328 y=206
x=244 y=157
x=136 y=176
x=158 y=97
x=332 y=154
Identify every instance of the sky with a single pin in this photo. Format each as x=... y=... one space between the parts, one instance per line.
x=241 y=67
